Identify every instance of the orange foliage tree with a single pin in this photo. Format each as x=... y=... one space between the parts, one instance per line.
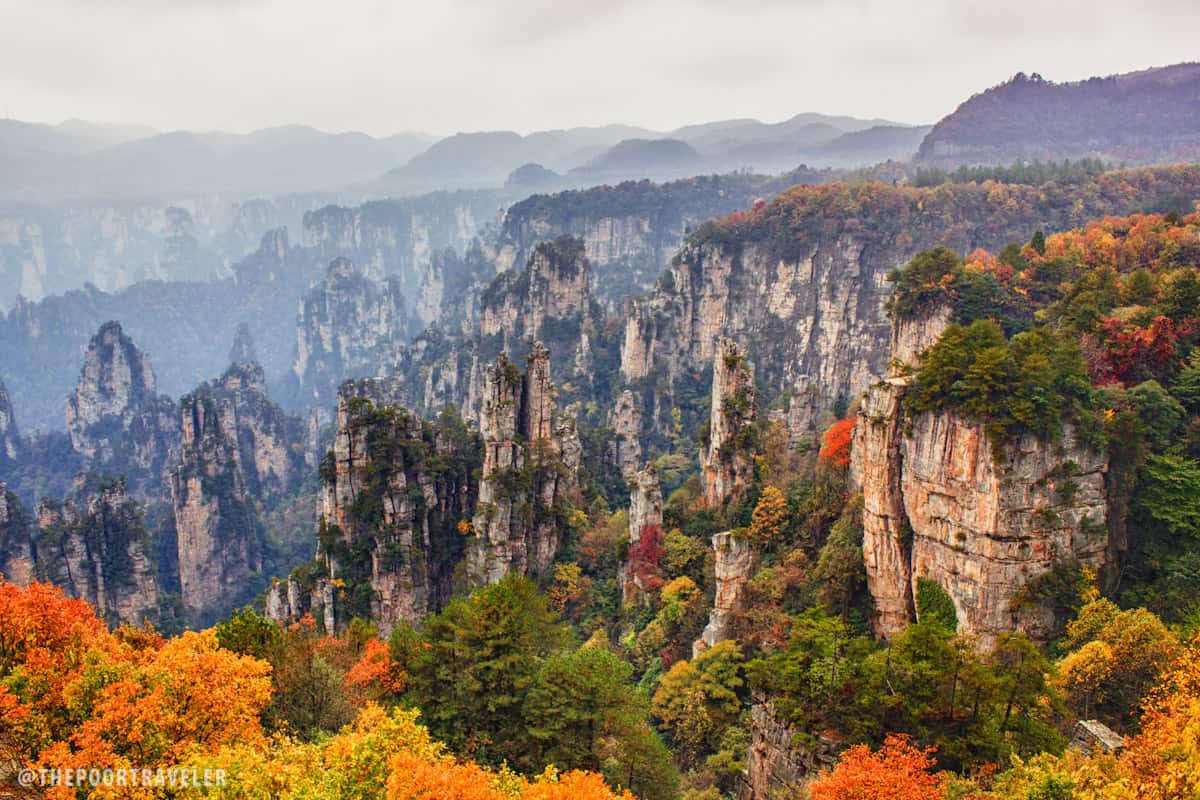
x=897 y=771
x=1164 y=760
x=375 y=675
x=75 y=695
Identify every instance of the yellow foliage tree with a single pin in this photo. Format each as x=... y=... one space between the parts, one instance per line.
x=766 y=523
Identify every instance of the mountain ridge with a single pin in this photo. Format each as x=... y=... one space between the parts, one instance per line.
x=1142 y=117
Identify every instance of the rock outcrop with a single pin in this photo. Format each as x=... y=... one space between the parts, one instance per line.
x=776 y=766
x=242 y=351
x=645 y=519
x=733 y=564
x=398 y=237
x=397 y=494
x=940 y=503
x=625 y=449
x=268 y=264
x=554 y=288
x=629 y=231
x=549 y=300
x=11 y=446
x=266 y=444
x=350 y=325
x=16 y=542
x=239 y=452
x=116 y=419
x=96 y=547
x=218 y=538
x=875 y=468
x=530 y=472
x=726 y=464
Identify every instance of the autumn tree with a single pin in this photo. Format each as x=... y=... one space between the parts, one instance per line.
x=897 y=771
x=1115 y=657
x=375 y=676
x=571 y=590
x=645 y=558
x=682 y=613
x=835 y=447
x=698 y=700
x=768 y=518
x=191 y=693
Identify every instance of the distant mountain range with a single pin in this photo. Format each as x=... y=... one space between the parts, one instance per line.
x=1146 y=117
x=79 y=160
x=581 y=156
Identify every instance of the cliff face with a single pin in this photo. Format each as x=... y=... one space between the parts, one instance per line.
x=629 y=232
x=625 y=449
x=96 y=548
x=939 y=505
x=350 y=325
x=726 y=465
x=11 y=446
x=530 y=472
x=46 y=251
x=776 y=765
x=801 y=283
x=554 y=287
x=983 y=531
x=814 y=324
x=396 y=496
x=398 y=237
x=16 y=543
x=628 y=251
x=550 y=300
x=116 y=419
x=237 y=448
x=733 y=564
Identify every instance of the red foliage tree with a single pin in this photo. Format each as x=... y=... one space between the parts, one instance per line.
x=1131 y=354
x=836 y=444
x=645 y=556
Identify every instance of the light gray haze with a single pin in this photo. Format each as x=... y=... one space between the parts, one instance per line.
x=384 y=66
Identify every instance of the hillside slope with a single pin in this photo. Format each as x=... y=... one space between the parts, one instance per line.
x=1147 y=117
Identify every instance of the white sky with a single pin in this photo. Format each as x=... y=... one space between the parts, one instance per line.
x=451 y=65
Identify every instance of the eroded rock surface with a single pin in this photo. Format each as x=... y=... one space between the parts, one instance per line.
x=733 y=564
x=725 y=462
x=941 y=503
x=530 y=472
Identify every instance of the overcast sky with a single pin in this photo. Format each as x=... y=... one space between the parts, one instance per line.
x=389 y=65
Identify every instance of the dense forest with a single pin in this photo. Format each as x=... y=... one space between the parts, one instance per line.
x=601 y=675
